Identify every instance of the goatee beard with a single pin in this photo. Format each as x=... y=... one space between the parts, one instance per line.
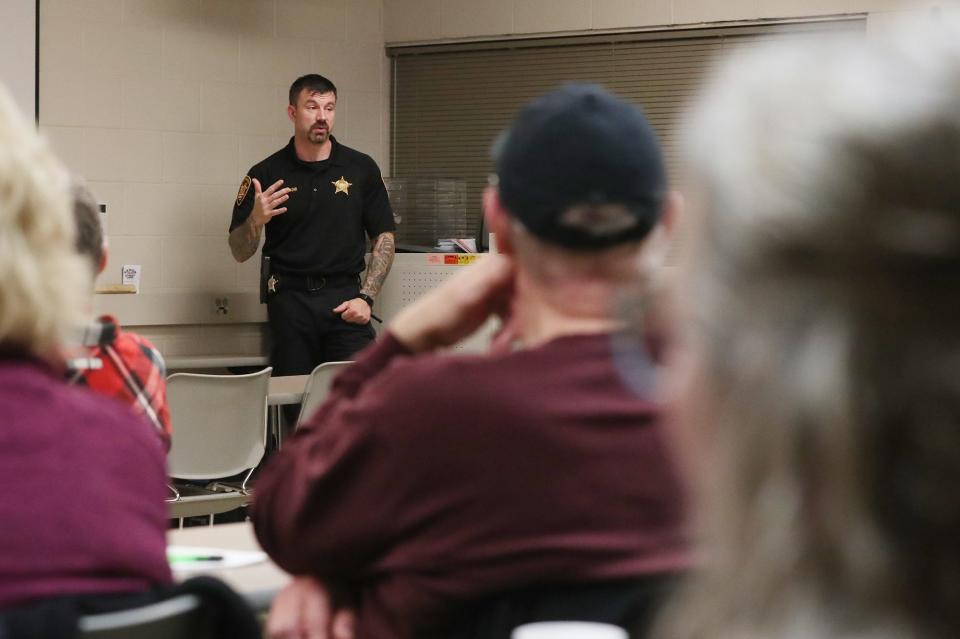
x=319 y=137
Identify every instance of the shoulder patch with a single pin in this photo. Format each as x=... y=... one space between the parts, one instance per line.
x=244 y=187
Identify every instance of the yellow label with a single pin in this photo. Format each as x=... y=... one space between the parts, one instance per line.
x=460 y=259
x=452 y=259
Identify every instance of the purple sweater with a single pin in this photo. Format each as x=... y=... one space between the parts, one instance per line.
x=431 y=481
x=82 y=488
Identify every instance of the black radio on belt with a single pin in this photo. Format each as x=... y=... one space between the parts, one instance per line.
x=265 y=277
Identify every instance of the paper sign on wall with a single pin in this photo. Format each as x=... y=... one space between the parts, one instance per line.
x=131 y=275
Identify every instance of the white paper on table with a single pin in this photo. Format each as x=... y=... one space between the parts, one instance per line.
x=229 y=558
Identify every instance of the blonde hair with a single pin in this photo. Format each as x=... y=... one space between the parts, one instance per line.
x=824 y=315
x=44 y=283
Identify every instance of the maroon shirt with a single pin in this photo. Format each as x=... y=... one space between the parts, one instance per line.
x=431 y=481
x=83 y=485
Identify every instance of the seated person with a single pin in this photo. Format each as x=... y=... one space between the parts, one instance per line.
x=117 y=363
x=818 y=375
x=83 y=478
x=429 y=482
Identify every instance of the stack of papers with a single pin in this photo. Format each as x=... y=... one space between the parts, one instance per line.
x=458 y=245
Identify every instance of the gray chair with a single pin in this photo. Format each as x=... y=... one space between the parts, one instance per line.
x=219 y=431
x=318 y=387
x=181 y=617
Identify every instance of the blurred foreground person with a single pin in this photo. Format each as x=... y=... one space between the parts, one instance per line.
x=83 y=484
x=818 y=377
x=460 y=496
x=115 y=362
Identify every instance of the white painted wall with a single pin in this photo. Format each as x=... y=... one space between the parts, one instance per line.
x=421 y=21
x=17 y=51
x=164 y=104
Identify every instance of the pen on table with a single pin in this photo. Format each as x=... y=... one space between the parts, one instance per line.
x=176 y=558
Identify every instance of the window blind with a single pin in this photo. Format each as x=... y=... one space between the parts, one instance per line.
x=450 y=102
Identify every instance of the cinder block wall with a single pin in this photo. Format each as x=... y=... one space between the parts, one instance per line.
x=163 y=105
x=441 y=20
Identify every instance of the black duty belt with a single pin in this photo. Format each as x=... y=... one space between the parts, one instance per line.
x=284 y=282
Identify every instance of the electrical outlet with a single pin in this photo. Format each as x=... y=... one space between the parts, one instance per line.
x=222 y=305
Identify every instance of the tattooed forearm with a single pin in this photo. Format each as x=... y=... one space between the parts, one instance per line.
x=244 y=240
x=381 y=258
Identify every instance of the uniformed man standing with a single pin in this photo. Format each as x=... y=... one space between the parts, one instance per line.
x=319 y=201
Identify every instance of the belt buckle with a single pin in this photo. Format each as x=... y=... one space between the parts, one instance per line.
x=312 y=285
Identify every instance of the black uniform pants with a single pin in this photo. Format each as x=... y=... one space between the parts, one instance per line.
x=305 y=332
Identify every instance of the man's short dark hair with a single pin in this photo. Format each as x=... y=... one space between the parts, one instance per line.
x=86 y=213
x=314 y=83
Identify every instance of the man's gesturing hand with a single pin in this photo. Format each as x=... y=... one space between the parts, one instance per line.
x=266 y=203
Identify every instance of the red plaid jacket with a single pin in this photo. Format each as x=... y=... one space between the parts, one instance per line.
x=128 y=367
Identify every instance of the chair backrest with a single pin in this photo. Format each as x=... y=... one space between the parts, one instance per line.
x=219 y=423
x=569 y=630
x=180 y=617
x=318 y=386
x=627 y=603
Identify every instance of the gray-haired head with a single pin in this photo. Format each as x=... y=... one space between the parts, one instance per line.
x=822 y=303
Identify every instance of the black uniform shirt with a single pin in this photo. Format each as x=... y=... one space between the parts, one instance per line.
x=337 y=200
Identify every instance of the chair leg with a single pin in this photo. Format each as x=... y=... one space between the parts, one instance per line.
x=243 y=485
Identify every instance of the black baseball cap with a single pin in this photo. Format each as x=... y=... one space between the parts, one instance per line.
x=581 y=168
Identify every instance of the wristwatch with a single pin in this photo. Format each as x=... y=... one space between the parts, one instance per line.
x=366 y=298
